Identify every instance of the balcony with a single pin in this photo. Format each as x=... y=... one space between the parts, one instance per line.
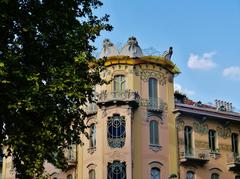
x=154 y=104
x=117 y=97
x=71 y=155
x=198 y=156
x=233 y=162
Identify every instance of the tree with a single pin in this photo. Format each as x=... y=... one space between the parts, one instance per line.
x=45 y=76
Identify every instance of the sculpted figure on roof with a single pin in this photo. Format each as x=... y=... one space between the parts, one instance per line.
x=132 y=49
x=108 y=49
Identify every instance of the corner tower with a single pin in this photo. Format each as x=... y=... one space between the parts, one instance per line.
x=132 y=133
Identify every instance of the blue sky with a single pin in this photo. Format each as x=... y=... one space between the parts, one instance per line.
x=205 y=36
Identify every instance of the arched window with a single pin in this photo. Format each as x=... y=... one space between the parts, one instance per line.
x=117 y=170
x=153 y=92
x=69 y=177
x=154 y=140
x=119 y=84
x=93 y=136
x=188 y=140
x=190 y=175
x=212 y=140
x=92 y=174
x=155 y=173
x=235 y=143
x=214 y=176
x=116 y=131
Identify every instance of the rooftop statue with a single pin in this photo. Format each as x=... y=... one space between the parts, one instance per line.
x=168 y=54
x=108 y=49
x=132 y=49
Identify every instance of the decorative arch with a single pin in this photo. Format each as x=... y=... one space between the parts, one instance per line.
x=91 y=166
x=155 y=164
x=215 y=170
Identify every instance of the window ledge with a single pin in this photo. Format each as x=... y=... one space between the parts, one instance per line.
x=91 y=150
x=155 y=147
x=214 y=154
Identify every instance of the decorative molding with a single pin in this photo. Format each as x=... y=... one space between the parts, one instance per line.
x=91 y=150
x=225 y=147
x=201 y=144
x=180 y=125
x=146 y=74
x=181 y=141
x=224 y=132
x=156 y=164
x=154 y=116
x=155 y=147
x=201 y=128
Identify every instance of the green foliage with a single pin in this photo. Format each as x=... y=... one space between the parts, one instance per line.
x=45 y=76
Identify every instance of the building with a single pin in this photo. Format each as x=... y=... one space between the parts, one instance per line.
x=208 y=139
x=140 y=129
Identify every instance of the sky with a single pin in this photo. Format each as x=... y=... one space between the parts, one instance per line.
x=205 y=36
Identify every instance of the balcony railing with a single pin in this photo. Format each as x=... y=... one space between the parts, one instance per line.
x=198 y=156
x=233 y=162
x=154 y=104
x=71 y=155
x=127 y=96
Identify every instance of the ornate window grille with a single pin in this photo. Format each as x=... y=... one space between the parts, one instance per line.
x=116 y=131
x=117 y=170
x=188 y=140
x=155 y=173
x=154 y=139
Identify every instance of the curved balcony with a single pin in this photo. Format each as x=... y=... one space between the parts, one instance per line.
x=233 y=162
x=106 y=98
x=154 y=104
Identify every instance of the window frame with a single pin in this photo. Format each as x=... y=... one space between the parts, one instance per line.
x=192 y=173
x=156 y=169
x=92 y=140
x=92 y=174
x=119 y=83
x=111 y=168
x=212 y=140
x=154 y=132
x=188 y=140
x=235 y=143
x=153 y=92
x=214 y=176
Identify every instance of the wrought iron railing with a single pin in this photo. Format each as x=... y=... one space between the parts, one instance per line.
x=198 y=154
x=154 y=104
x=126 y=95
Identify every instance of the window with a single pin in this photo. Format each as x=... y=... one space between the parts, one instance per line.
x=188 y=140
x=214 y=176
x=119 y=84
x=117 y=170
x=69 y=177
x=235 y=143
x=91 y=174
x=237 y=177
x=190 y=175
x=93 y=136
x=116 y=132
x=155 y=173
x=212 y=140
x=154 y=132
x=152 y=90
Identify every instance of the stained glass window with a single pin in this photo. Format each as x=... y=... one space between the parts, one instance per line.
x=116 y=132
